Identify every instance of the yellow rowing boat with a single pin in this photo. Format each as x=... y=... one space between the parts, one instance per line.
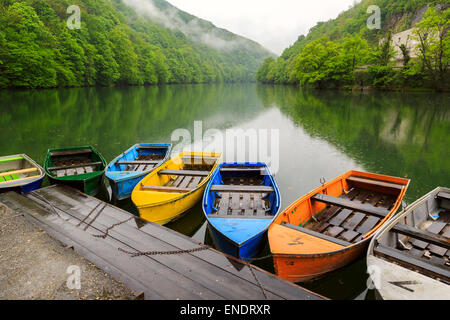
x=174 y=187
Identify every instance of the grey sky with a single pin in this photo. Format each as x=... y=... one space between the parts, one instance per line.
x=275 y=24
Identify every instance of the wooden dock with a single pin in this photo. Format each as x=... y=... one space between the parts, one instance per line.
x=147 y=258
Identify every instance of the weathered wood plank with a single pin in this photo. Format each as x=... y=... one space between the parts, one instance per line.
x=368 y=225
x=317 y=234
x=345 y=203
x=199 y=275
x=365 y=182
x=424 y=238
x=426 y=267
x=70 y=152
x=241 y=189
x=185 y=173
x=165 y=189
x=74 y=166
x=340 y=218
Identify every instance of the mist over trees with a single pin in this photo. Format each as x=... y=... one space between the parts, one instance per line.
x=114 y=46
x=344 y=52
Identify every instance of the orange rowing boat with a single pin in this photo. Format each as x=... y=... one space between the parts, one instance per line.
x=332 y=225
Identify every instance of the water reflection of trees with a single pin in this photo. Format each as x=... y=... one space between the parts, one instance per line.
x=393 y=133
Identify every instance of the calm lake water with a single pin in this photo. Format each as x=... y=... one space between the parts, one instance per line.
x=310 y=134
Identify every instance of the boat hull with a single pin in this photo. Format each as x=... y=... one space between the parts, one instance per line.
x=302 y=268
x=25 y=188
x=170 y=211
x=122 y=189
x=244 y=251
x=90 y=186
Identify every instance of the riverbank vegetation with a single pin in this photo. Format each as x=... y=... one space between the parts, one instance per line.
x=344 y=53
x=114 y=46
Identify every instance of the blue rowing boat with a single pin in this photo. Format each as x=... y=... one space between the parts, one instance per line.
x=240 y=203
x=129 y=168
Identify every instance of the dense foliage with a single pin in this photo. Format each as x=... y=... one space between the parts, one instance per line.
x=115 y=45
x=343 y=52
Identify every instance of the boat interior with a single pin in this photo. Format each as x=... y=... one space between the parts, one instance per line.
x=346 y=219
x=74 y=162
x=145 y=158
x=421 y=240
x=184 y=177
x=242 y=192
x=17 y=168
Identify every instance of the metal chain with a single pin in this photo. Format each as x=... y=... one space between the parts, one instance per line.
x=89 y=214
x=96 y=216
x=111 y=227
x=257 y=280
x=153 y=253
x=258 y=259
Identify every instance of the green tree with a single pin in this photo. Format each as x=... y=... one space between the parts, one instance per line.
x=28 y=59
x=434 y=45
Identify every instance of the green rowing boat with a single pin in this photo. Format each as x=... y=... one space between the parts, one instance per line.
x=78 y=167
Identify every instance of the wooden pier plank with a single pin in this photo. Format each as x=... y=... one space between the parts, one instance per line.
x=190 y=275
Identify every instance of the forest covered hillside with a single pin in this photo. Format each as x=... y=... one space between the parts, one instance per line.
x=345 y=52
x=119 y=42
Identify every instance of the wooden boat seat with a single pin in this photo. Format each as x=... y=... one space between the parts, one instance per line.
x=428 y=267
x=429 y=236
x=185 y=173
x=243 y=170
x=19 y=179
x=364 y=183
x=71 y=153
x=137 y=162
x=443 y=195
x=348 y=204
x=317 y=234
x=152 y=147
x=199 y=159
x=74 y=166
x=165 y=189
x=242 y=189
x=16 y=172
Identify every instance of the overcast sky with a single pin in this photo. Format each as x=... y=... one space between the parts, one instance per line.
x=275 y=24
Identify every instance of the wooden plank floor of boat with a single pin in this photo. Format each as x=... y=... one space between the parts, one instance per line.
x=239 y=204
x=144 y=166
x=350 y=225
x=99 y=231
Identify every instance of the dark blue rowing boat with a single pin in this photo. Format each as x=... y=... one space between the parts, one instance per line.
x=240 y=203
x=129 y=168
